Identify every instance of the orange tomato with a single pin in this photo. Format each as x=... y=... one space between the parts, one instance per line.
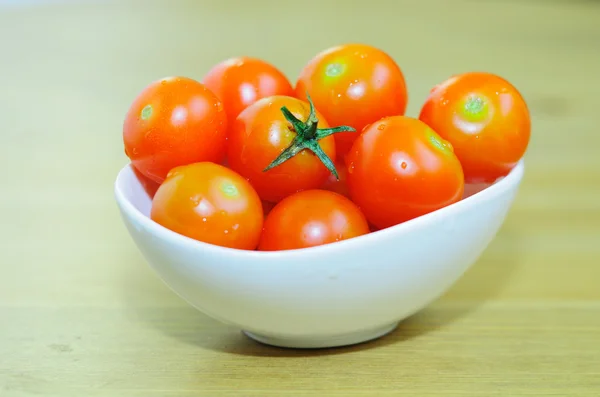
x=210 y=203
x=282 y=146
x=241 y=81
x=485 y=118
x=399 y=169
x=172 y=122
x=355 y=85
x=311 y=218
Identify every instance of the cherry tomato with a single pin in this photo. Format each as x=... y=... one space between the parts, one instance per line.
x=276 y=145
x=338 y=185
x=399 y=169
x=311 y=218
x=172 y=122
x=485 y=118
x=241 y=81
x=210 y=203
x=355 y=85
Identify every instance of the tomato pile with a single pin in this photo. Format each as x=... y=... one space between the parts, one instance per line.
x=243 y=159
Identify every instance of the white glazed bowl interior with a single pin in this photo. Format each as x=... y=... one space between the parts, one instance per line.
x=336 y=294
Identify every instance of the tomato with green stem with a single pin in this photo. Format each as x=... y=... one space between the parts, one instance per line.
x=282 y=145
x=339 y=183
x=355 y=85
x=241 y=81
x=399 y=169
x=486 y=120
x=210 y=203
x=311 y=218
x=174 y=121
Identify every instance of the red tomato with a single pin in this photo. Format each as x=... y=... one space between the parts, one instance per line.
x=209 y=203
x=353 y=84
x=174 y=121
x=399 y=169
x=276 y=145
x=338 y=185
x=485 y=118
x=241 y=81
x=311 y=218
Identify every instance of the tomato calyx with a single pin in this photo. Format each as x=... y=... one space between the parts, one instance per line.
x=307 y=137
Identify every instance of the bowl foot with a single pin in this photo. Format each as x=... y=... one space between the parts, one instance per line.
x=323 y=342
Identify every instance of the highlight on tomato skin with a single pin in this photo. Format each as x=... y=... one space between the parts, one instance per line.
x=485 y=118
x=311 y=218
x=172 y=122
x=210 y=203
x=353 y=84
x=241 y=81
x=400 y=169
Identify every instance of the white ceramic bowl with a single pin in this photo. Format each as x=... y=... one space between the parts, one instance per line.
x=337 y=294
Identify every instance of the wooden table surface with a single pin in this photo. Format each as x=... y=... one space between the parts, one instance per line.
x=81 y=314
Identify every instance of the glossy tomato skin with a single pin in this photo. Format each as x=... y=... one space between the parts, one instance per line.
x=338 y=185
x=353 y=84
x=260 y=133
x=172 y=122
x=399 y=169
x=210 y=203
x=485 y=118
x=241 y=81
x=311 y=218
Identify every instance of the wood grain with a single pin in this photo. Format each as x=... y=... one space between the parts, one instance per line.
x=82 y=315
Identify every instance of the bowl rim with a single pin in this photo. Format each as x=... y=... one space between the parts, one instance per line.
x=512 y=179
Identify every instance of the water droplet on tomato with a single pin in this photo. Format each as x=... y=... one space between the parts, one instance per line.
x=351 y=168
x=339 y=95
x=381 y=127
x=135 y=151
x=226 y=231
x=403 y=165
x=235 y=227
x=203 y=219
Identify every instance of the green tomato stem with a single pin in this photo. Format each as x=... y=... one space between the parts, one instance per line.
x=307 y=137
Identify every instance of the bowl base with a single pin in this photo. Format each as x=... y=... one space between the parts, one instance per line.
x=323 y=342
